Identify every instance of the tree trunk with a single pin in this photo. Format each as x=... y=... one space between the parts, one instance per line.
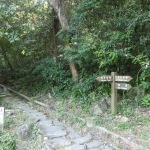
x=6 y=58
x=58 y=6
x=55 y=31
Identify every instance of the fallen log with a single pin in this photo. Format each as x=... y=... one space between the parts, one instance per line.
x=42 y=104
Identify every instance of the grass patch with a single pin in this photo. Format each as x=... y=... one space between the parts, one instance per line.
x=9 y=140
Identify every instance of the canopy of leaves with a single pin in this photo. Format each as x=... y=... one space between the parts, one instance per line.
x=105 y=36
x=112 y=36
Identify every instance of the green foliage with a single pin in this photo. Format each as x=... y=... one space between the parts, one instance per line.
x=7 y=141
x=82 y=92
x=146 y=100
x=115 y=33
x=52 y=74
x=104 y=36
x=124 y=126
x=24 y=35
x=46 y=76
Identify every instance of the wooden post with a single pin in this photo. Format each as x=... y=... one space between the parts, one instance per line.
x=113 y=94
x=1 y=119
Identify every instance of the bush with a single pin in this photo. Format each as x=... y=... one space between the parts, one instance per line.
x=54 y=75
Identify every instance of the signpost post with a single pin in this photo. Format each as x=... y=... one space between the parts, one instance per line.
x=1 y=118
x=114 y=86
x=113 y=94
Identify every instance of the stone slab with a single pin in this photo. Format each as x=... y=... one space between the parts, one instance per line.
x=57 y=123
x=83 y=140
x=56 y=134
x=73 y=135
x=94 y=144
x=78 y=147
x=69 y=129
x=53 y=131
x=59 y=143
x=45 y=124
x=103 y=147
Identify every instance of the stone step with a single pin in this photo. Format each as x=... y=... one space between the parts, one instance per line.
x=58 y=136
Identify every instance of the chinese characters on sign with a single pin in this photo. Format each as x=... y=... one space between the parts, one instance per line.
x=122 y=86
x=104 y=78
x=123 y=78
x=114 y=86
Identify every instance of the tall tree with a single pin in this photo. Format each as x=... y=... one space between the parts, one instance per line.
x=58 y=6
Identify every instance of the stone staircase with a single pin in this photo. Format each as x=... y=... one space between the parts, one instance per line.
x=55 y=134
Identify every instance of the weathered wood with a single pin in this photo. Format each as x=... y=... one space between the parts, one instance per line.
x=40 y=103
x=104 y=78
x=123 y=86
x=113 y=94
x=123 y=78
x=26 y=97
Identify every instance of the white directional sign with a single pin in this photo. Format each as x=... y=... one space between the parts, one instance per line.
x=104 y=78
x=1 y=118
x=123 y=78
x=123 y=86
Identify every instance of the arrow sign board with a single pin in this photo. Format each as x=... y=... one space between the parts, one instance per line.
x=123 y=78
x=123 y=86
x=104 y=78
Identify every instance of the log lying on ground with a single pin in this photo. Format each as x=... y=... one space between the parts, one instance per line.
x=42 y=104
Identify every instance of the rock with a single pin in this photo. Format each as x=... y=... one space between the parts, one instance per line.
x=57 y=123
x=105 y=148
x=123 y=119
x=136 y=92
x=94 y=144
x=90 y=121
x=53 y=131
x=100 y=107
x=56 y=134
x=24 y=132
x=82 y=140
x=73 y=135
x=58 y=143
x=97 y=110
x=78 y=147
x=103 y=105
x=44 y=124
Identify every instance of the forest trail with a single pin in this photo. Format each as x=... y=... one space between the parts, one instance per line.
x=64 y=130
x=56 y=135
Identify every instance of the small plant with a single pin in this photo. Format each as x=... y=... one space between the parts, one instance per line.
x=7 y=141
x=146 y=100
x=124 y=126
x=99 y=122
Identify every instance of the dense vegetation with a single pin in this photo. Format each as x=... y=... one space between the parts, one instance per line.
x=104 y=37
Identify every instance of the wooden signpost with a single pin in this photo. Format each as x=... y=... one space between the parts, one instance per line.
x=114 y=86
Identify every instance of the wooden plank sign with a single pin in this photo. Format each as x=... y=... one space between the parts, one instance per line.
x=104 y=78
x=123 y=78
x=123 y=86
x=114 y=86
x=1 y=118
